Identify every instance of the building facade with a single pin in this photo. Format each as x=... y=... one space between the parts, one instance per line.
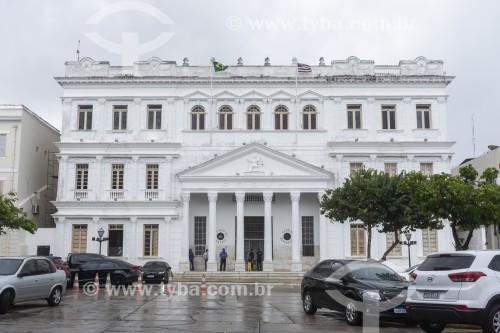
x=27 y=142
x=167 y=158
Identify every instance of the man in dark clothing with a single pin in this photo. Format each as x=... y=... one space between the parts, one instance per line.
x=250 y=258
x=223 y=256
x=259 y=259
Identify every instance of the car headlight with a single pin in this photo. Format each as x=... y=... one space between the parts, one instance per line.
x=369 y=295
x=162 y=272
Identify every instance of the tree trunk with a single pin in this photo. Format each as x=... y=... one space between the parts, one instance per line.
x=454 y=232
x=393 y=245
x=465 y=245
x=369 y=244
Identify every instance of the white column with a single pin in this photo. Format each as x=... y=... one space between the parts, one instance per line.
x=268 y=236
x=211 y=231
x=60 y=232
x=98 y=176
x=61 y=181
x=240 y=232
x=323 y=233
x=164 y=241
x=135 y=180
x=95 y=244
x=132 y=251
x=296 y=233
x=168 y=179
x=184 y=261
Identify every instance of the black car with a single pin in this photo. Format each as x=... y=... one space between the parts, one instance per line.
x=121 y=272
x=156 y=271
x=353 y=288
x=76 y=259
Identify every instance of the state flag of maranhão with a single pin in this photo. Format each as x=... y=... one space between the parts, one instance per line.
x=218 y=67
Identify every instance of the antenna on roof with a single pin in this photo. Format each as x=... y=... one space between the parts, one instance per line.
x=473 y=137
x=78 y=50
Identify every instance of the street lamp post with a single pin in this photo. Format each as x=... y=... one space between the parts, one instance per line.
x=409 y=243
x=100 y=239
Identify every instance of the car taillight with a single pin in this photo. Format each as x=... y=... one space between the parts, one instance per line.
x=133 y=270
x=413 y=277
x=465 y=276
x=464 y=308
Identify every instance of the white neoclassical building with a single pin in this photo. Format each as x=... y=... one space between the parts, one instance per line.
x=166 y=158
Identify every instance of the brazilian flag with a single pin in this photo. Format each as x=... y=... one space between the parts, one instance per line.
x=218 y=67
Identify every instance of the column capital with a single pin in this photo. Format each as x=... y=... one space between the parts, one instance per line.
x=60 y=220
x=320 y=195
x=185 y=197
x=168 y=158
x=240 y=196
x=95 y=219
x=268 y=196
x=167 y=219
x=133 y=219
x=295 y=196
x=98 y=158
x=212 y=196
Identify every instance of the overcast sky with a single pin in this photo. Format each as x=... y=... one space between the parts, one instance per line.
x=38 y=36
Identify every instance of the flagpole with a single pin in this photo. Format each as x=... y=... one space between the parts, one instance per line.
x=211 y=95
x=296 y=99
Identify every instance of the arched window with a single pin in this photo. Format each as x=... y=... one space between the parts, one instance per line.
x=225 y=118
x=253 y=118
x=309 y=117
x=198 y=118
x=281 y=117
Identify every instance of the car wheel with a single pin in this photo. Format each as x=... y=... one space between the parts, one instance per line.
x=352 y=315
x=55 y=297
x=308 y=304
x=118 y=280
x=4 y=302
x=431 y=326
x=493 y=323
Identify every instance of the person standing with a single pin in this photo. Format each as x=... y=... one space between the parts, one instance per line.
x=223 y=256
x=191 y=260
x=250 y=259
x=259 y=259
x=205 y=256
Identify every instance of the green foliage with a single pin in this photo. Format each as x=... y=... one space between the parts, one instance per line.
x=13 y=217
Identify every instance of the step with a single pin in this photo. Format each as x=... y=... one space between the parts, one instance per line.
x=240 y=277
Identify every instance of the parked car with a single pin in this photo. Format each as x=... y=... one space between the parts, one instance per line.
x=76 y=259
x=156 y=271
x=456 y=287
x=121 y=272
x=407 y=272
x=59 y=263
x=29 y=278
x=342 y=285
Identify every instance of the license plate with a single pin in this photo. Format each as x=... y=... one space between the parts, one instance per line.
x=431 y=294
x=150 y=276
x=400 y=309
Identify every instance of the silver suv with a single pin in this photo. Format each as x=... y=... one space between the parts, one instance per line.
x=456 y=287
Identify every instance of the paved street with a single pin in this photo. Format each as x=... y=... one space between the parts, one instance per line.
x=280 y=311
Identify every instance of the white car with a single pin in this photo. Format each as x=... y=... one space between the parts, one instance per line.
x=29 y=278
x=456 y=287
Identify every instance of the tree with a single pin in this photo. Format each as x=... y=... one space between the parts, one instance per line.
x=13 y=217
x=362 y=197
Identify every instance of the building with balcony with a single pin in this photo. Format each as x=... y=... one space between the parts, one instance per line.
x=167 y=158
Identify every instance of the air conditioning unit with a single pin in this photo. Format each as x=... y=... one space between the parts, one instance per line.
x=35 y=209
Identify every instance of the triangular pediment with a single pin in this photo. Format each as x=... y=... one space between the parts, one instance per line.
x=281 y=94
x=253 y=95
x=197 y=95
x=310 y=95
x=255 y=161
x=225 y=95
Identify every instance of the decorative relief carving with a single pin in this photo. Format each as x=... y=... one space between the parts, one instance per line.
x=407 y=100
x=240 y=196
x=155 y=67
x=268 y=196
x=212 y=196
x=353 y=66
x=87 y=67
x=421 y=66
x=255 y=165
x=295 y=196
x=185 y=197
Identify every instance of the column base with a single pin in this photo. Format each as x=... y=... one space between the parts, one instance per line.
x=212 y=266
x=296 y=266
x=183 y=265
x=240 y=266
x=268 y=266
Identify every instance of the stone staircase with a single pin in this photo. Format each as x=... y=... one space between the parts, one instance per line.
x=240 y=277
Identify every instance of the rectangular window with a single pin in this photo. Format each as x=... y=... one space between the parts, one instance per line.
x=357 y=240
x=423 y=116
x=307 y=236
x=85 y=117
x=119 y=117
x=426 y=169
x=429 y=241
x=391 y=168
x=152 y=176
x=388 y=117
x=151 y=240
x=354 y=116
x=115 y=242
x=355 y=167
x=79 y=238
x=154 y=116
x=3 y=142
x=389 y=239
x=117 y=173
x=82 y=176
x=200 y=234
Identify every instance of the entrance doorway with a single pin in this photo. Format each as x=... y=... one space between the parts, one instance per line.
x=254 y=234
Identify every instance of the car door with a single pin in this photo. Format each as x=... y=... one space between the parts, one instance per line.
x=317 y=281
x=46 y=279
x=87 y=272
x=334 y=285
x=27 y=284
x=104 y=268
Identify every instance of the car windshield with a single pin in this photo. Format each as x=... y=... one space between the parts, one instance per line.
x=58 y=261
x=154 y=265
x=9 y=266
x=374 y=272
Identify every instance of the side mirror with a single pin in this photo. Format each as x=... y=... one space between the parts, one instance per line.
x=343 y=280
